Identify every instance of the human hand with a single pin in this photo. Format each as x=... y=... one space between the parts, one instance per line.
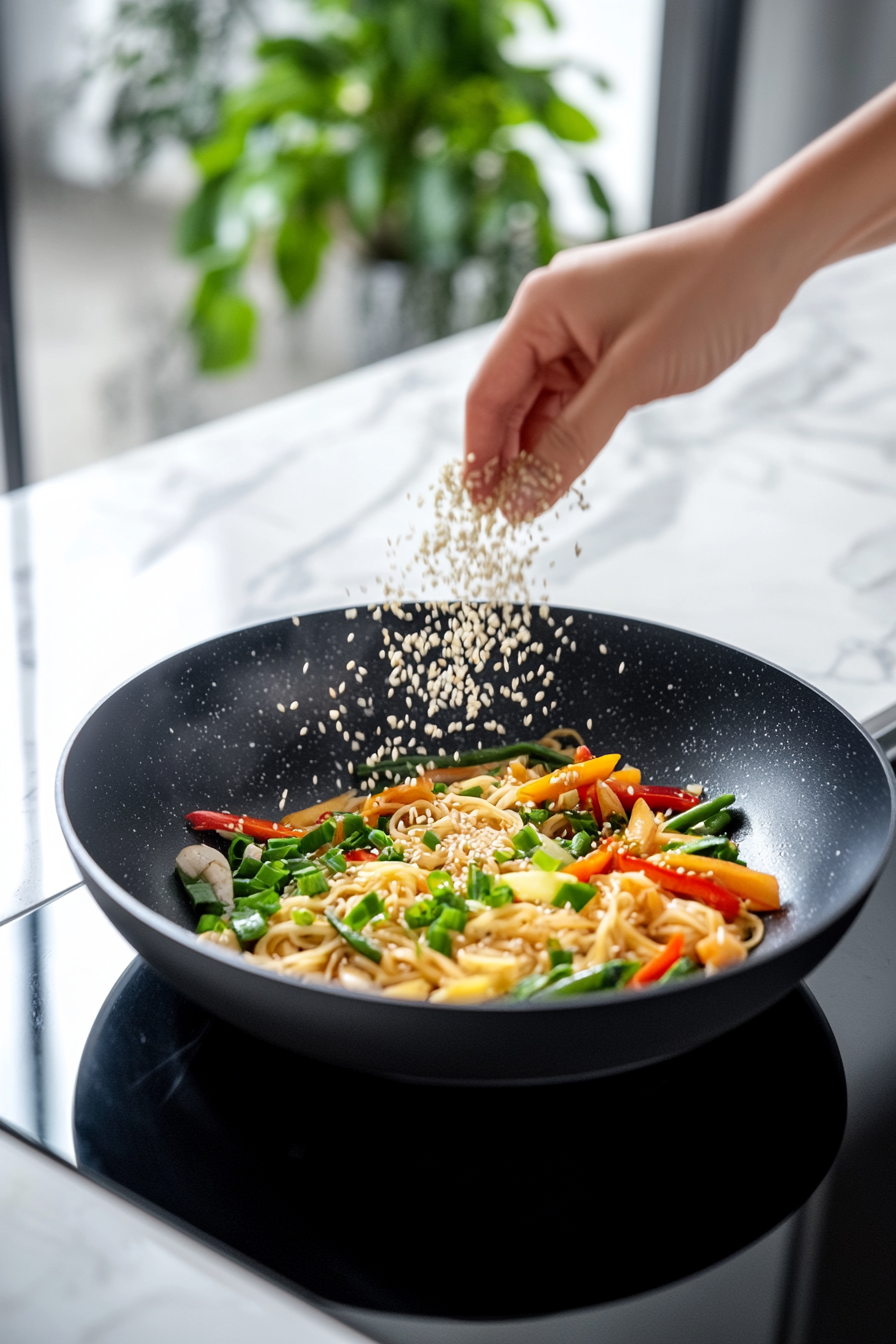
x=604 y=328
x=614 y=325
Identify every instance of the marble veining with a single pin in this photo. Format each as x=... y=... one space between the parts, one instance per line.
x=760 y=510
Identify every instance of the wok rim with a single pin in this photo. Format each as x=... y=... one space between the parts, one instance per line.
x=91 y=870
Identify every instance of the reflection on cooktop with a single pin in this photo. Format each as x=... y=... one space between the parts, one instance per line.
x=464 y=1203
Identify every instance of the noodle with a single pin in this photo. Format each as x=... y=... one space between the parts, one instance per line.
x=467 y=899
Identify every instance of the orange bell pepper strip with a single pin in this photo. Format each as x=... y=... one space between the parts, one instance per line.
x=592 y=864
x=572 y=776
x=660 y=964
x=228 y=821
x=759 y=890
x=689 y=885
x=391 y=799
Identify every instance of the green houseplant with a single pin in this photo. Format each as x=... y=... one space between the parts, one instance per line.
x=389 y=121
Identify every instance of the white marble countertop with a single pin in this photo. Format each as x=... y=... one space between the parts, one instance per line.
x=768 y=498
x=78 y=1264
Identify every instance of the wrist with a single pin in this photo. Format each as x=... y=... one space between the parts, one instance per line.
x=819 y=206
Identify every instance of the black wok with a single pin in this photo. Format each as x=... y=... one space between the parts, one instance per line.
x=202 y=730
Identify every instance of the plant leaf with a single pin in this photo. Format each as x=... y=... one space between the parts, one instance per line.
x=301 y=244
x=366 y=185
x=223 y=324
x=568 y=123
x=598 y=194
x=439 y=215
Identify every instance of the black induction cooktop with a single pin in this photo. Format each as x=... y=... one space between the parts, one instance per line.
x=470 y=1203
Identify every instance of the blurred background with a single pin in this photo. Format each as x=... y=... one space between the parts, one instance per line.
x=214 y=202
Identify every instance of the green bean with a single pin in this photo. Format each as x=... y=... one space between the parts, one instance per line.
x=355 y=940
x=610 y=975
x=408 y=764
x=685 y=820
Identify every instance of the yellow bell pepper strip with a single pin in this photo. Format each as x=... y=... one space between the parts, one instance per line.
x=759 y=890
x=660 y=964
x=383 y=804
x=624 y=777
x=592 y=864
x=571 y=776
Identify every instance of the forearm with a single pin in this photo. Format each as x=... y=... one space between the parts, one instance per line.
x=834 y=199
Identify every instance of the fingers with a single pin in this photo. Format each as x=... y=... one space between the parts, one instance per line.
x=533 y=354
x=562 y=444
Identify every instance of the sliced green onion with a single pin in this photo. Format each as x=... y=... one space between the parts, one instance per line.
x=581 y=844
x=335 y=861
x=391 y=855
x=500 y=894
x=248 y=867
x=210 y=924
x=281 y=847
x=235 y=852
x=440 y=788
x=312 y=884
x=475 y=792
x=242 y=886
x=440 y=883
x=537 y=815
x=585 y=821
x=545 y=861
x=266 y=902
x=300 y=916
x=379 y=839
x=422 y=913
x=450 y=918
x=503 y=855
x=202 y=894
x=479 y=884
x=560 y=956
x=316 y=839
x=431 y=840
x=273 y=874
x=364 y=911
x=248 y=925
x=576 y=894
x=352 y=824
x=439 y=939
x=355 y=940
x=526 y=840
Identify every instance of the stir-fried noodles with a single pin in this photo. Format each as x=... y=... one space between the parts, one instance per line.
x=487 y=879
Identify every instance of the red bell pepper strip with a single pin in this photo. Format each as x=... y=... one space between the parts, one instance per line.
x=227 y=821
x=582 y=754
x=360 y=856
x=689 y=885
x=659 y=965
x=659 y=797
